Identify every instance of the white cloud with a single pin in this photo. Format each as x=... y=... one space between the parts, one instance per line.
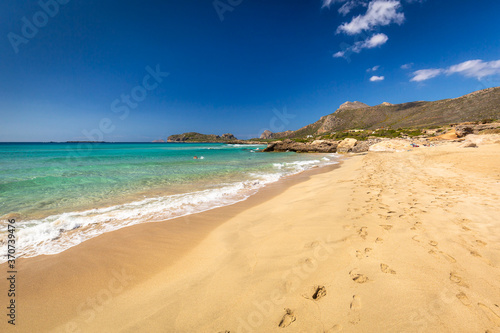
x=377 y=78
x=476 y=68
x=407 y=66
x=328 y=3
x=379 y=13
x=350 y=5
x=354 y=3
x=375 y=40
x=339 y=54
x=373 y=69
x=425 y=74
x=472 y=69
x=370 y=43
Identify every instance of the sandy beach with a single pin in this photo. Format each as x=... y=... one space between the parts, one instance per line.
x=387 y=242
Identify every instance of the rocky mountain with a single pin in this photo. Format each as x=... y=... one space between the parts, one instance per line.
x=353 y=105
x=267 y=134
x=197 y=137
x=477 y=106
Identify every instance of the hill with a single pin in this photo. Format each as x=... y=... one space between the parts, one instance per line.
x=197 y=137
x=477 y=106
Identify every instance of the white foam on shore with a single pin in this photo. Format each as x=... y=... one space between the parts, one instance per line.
x=58 y=233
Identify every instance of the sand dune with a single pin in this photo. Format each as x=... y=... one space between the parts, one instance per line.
x=388 y=242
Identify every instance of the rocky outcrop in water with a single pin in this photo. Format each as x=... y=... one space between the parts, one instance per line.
x=318 y=146
x=322 y=146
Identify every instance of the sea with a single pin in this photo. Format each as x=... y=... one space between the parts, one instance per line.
x=61 y=194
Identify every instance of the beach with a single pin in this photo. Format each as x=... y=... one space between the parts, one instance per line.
x=387 y=242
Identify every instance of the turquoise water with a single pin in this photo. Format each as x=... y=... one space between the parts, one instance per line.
x=89 y=189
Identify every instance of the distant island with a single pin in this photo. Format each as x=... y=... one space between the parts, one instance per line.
x=84 y=141
x=198 y=137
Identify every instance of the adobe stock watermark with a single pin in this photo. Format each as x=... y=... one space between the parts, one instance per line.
x=223 y=6
x=120 y=106
x=292 y=279
x=279 y=122
x=93 y=306
x=30 y=27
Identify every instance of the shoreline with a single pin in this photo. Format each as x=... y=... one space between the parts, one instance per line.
x=171 y=235
x=344 y=249
x=226 y=194
x=59 y=203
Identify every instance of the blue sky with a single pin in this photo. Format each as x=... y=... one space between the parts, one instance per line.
x=143 y=70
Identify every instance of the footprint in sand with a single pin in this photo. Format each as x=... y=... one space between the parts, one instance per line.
x=457 y=279
x=475 y=254
x=416 y=225
x=480 y=242
x=361 y=254
x=362 y=232
x=358 y=278
x=416 y=238
x=492 y=315
x=356 y=303
x=355 y=306
x=319 y=293
x=315 y=293
x=308 y=261
x=311 y=245
x=386 y=226
x=379 y=240
x=463 y=298
x=334 y=328
x=287 y=319
x=433 y=243
x=385 y=268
